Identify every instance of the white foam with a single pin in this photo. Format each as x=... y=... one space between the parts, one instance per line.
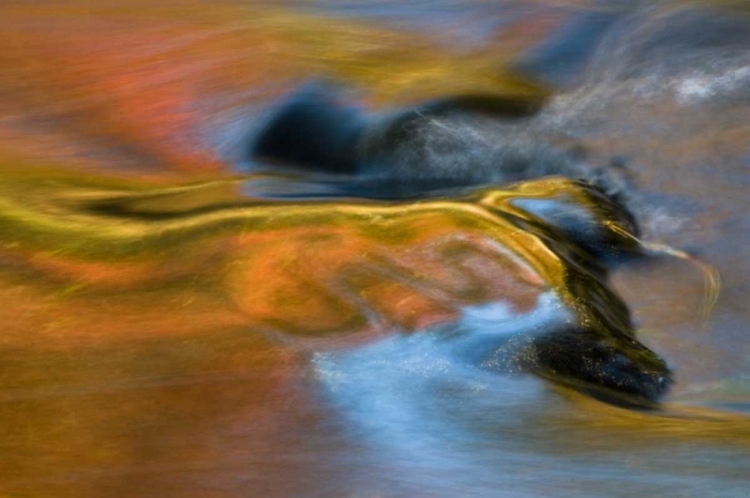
x=498 y=319
x=702 y=86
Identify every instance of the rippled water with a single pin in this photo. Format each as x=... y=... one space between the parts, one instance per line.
x=183 y=318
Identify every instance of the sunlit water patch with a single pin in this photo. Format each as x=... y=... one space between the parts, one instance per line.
x=179 y=329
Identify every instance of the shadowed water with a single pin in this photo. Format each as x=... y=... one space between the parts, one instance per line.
x=184 y=317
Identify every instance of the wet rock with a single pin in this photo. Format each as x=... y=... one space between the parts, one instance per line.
x=431 y=151
x=339 y=273
x=313 y=130
x=450 y=143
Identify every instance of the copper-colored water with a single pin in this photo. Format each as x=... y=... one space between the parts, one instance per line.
x=140 y=359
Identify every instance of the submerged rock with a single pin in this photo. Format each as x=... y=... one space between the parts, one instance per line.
x=456 y=141
x=334 y=274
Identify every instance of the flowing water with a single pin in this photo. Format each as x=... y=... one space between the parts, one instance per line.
x=182 y=317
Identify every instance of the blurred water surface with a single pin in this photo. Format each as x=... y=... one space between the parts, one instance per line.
x=138 y=359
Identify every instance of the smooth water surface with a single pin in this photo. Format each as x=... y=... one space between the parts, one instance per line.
x=179 y=352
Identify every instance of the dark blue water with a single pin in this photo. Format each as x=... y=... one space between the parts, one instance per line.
x=104 y=395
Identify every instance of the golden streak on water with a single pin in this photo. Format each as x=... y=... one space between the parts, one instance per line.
x=142 y=355
x=711 y=276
